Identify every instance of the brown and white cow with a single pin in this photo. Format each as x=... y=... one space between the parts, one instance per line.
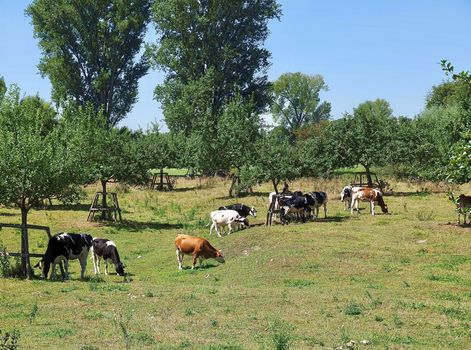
x=368 y=194
x=198 y=247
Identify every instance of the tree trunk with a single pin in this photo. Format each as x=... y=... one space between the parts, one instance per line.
x=104 y=213
x=368 y=176
x=275 y=184
x=25 y=263
x=161 y=185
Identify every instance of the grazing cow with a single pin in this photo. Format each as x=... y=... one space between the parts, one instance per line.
x=298 y=205
x=242 y=209
x=196 y=246
x=315 y=200
x=368 y=194
x=106 y=249
x=65 y=247
x=346 y=197
x=223 y=218
x=463 y=206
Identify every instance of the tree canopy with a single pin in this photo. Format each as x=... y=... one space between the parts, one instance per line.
x=89 y=51
x=40 y=157
x=296 y=102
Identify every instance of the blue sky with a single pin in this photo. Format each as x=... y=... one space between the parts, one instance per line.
x=365 y=50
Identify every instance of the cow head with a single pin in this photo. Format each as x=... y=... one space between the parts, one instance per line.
x=243 y=221
x=44 y=267
x=120 y=269
x=219 y=257
x=346 y=192
x=253 y=212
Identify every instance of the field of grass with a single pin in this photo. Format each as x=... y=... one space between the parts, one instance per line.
x=400 y=281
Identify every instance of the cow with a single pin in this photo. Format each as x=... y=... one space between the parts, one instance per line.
x=316 y=200
x=368 y=194
x=106 y=249
x=65 y=247
x=463 y=206
x=242 y=209
x=297 y=204
x=223 y=218
x=346 y=197
x=273 y=204
x=199 y=247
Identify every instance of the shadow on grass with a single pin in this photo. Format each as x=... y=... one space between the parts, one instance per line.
x=239 y=198
x=71 y=207
x=9 y=214
x=137 y=226
x=407 y=194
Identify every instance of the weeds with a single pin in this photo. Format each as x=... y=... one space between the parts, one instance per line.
x=352 y=309
x=281 y=334
x=9 y=340
x=33 y=313
x=425 y=215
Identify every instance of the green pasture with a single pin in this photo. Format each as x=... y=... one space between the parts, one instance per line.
x=400 y=281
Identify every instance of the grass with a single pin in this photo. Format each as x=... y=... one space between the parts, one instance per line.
x=398 y=281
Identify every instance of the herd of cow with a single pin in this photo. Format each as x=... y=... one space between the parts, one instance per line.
x=67 y=246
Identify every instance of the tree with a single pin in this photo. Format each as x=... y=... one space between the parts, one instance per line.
x=459 y=166
x=39 y=157
x=89 y=49
x=364 y=137
x=276 y=160
x=296 y=101
x=3 y=87
x=210 y=51
x=113 y=154
x=158 y=150
x=239 y=128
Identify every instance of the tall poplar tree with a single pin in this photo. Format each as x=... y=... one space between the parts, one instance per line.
x=89 y=51
x=211 y=51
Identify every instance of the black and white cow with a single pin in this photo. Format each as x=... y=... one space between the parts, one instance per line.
x=242 y=209
x=65 y=247
x=346 y=196
x=297 y=205
x=106 y=249
x=316 y=200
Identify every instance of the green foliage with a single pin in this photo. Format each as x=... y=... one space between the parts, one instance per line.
x=38 y=156
x=296 y=101
x=459 y=166
x=89 y=49
x=213 y=56
x=276 y=160
x=210 y=50
x=281 y=334
x=3 y=87
x=9 y=340
x=353 y=309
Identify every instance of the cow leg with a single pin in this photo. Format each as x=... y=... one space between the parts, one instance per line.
x=353 y=206
x=211 y=229
x=194 y=261
x=179 y=259
x=200 y=261
x=95 y=258
x=83 y=265
x=66 y=269
x=325 y=210
x=218 y=230
x=106 y=266
x=372 y=208
x=53 y=271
